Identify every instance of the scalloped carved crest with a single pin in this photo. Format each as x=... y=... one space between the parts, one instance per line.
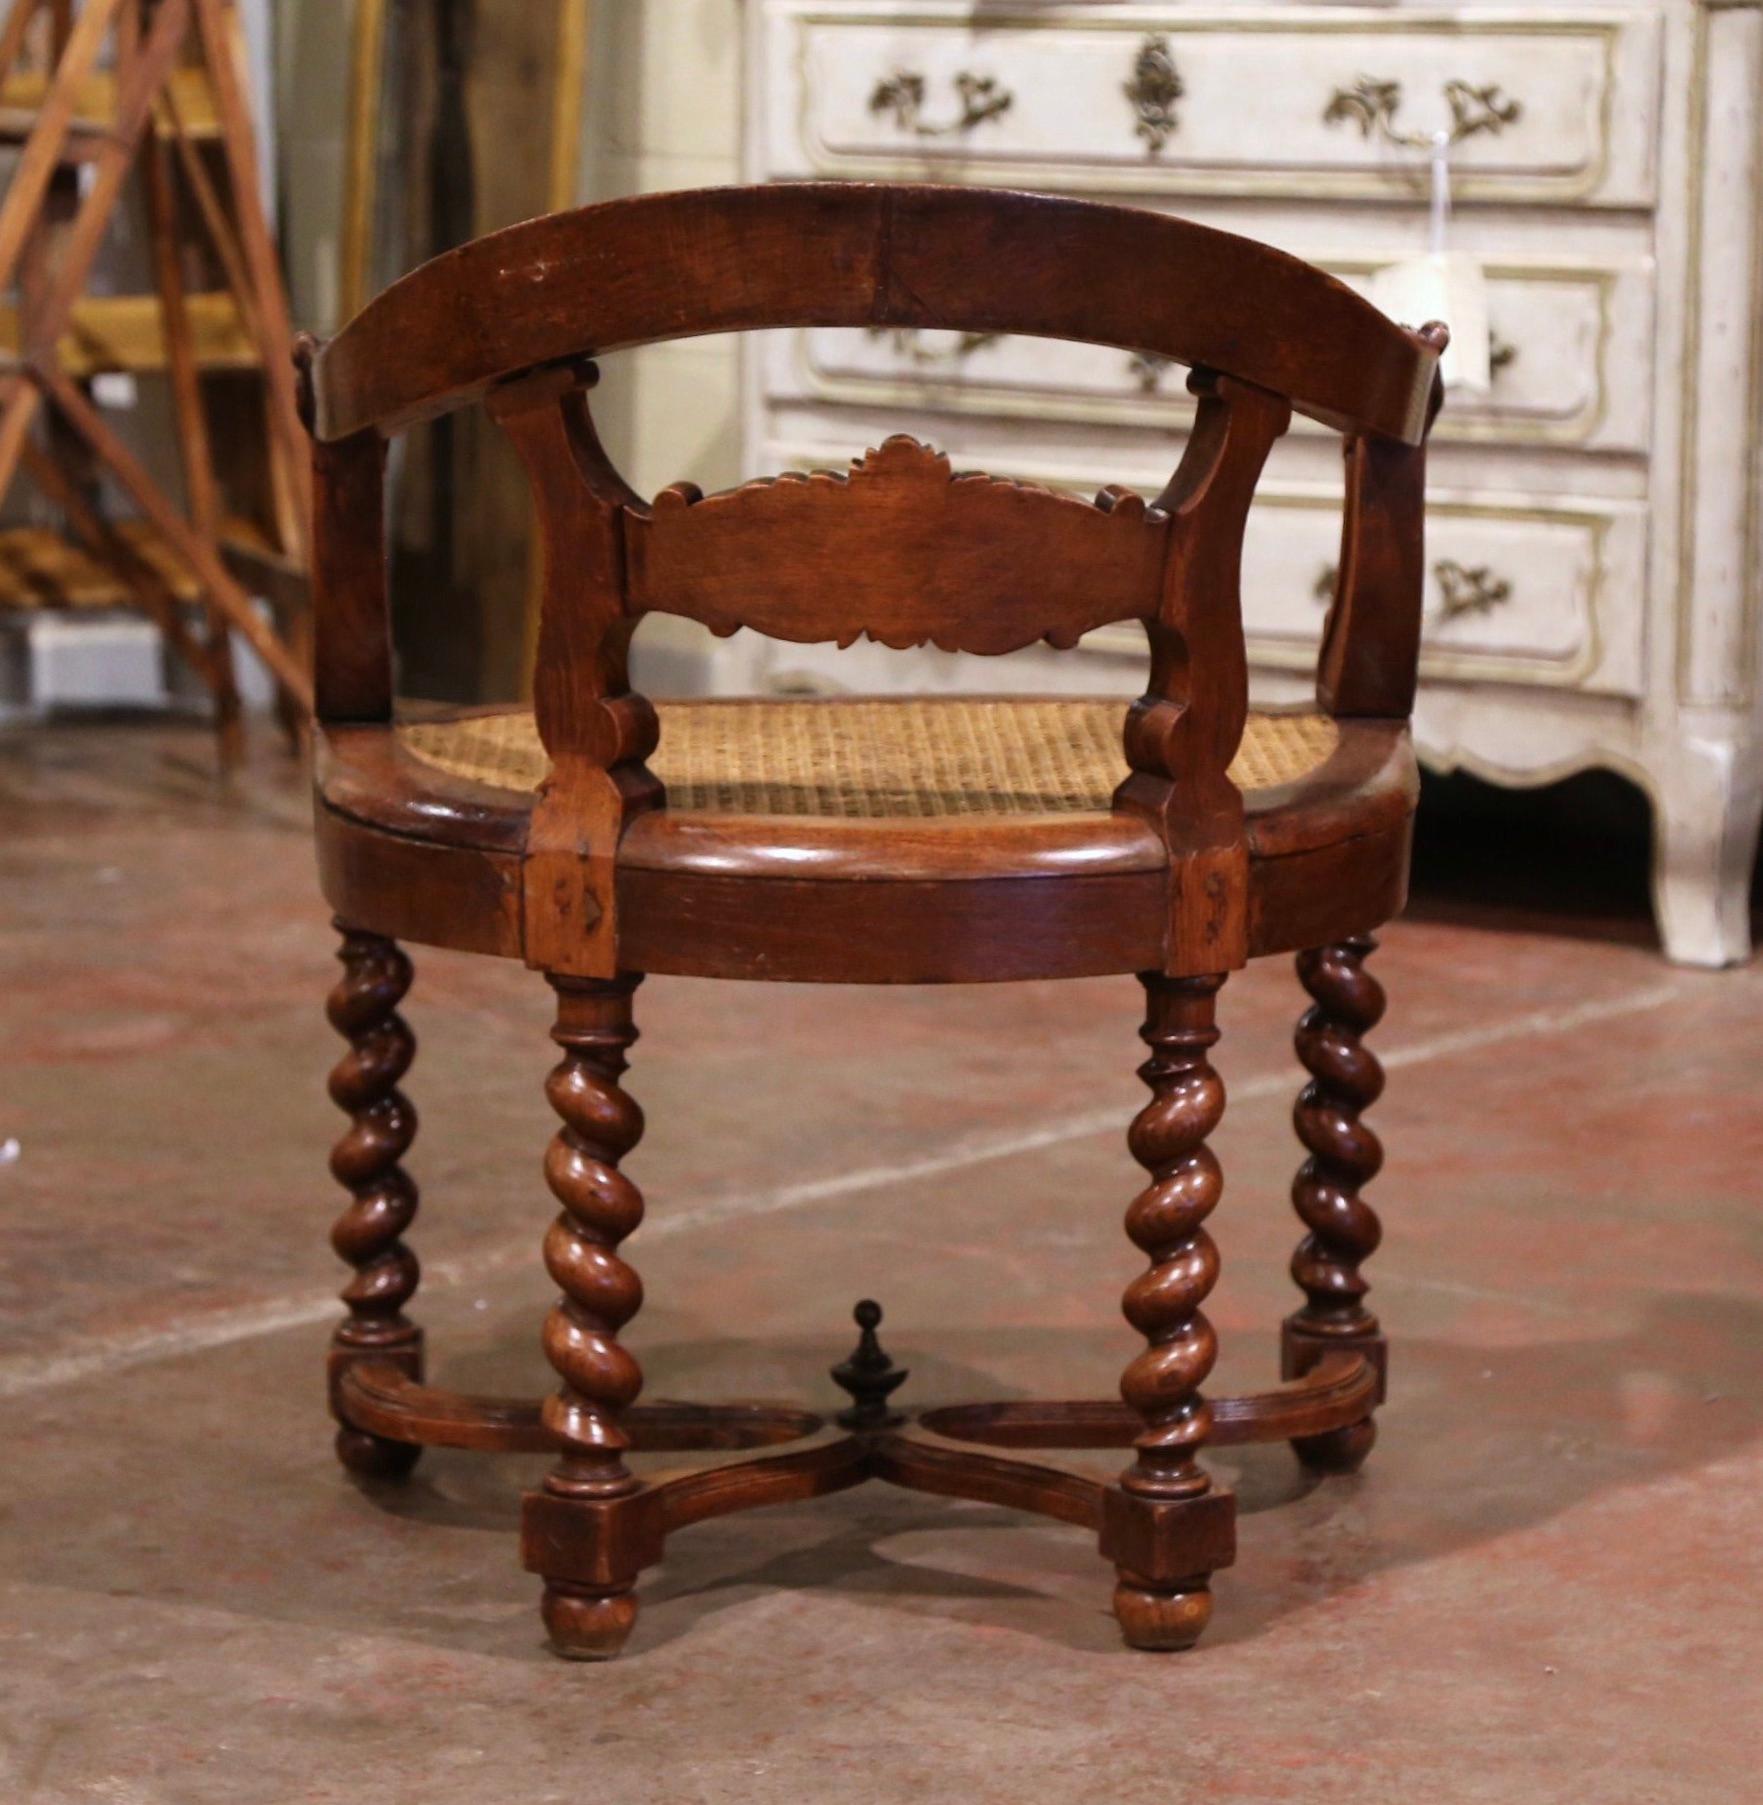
x=902 y=550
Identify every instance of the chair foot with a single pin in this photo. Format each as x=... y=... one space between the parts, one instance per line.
x=364 y=1454
x=1341 y=1450
x=374 y=1457
x=587 y=1626
x=1158 y=1618
x=1337 y=1450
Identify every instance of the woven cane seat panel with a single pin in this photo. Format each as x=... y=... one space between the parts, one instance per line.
x=861 y=759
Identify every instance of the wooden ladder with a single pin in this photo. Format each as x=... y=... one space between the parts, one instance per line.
x=150 y=91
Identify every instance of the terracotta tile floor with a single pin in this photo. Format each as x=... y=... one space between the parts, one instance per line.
x=1543 y=1587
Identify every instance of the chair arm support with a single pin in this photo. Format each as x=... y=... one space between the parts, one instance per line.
x=352 y=630
x=1371 y=644
x=351 y=611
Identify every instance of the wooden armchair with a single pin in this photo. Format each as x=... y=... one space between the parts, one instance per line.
x=873 y=841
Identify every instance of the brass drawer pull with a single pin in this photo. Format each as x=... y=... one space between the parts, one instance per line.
x=1372 y=105
x=1469 y=589
x=906 y=343
x=1148 y=368
x=1155 y=87
x=902 y=94
x=1466 y=589
x=1502 y=354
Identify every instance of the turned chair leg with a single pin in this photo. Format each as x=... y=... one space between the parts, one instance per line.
x=588 y=1531
x=1167 y=1526
x=1344 y=1154
x=363 y=1008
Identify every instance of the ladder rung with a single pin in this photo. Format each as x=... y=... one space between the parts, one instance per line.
x=43 y=568
x=85 y=137
x=127 y=332
x=23 y=94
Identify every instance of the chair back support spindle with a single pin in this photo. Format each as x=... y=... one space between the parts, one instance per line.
x=597 y=730
x=1183 y=732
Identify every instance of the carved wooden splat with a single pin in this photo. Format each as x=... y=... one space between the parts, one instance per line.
x=902 y=550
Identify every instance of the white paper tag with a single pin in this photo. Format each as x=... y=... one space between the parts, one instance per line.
x=1443 y=285
x=115 y=388
x=1448 y=286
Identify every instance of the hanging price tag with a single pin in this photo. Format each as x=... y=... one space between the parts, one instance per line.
x=1443 y=285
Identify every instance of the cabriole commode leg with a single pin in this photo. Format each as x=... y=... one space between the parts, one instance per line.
x=363 y=1008
x=589 y=1530
x=1345 y=1079
x=1166 y=1526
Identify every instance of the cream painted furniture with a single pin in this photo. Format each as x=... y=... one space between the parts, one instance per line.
x=1593 y=525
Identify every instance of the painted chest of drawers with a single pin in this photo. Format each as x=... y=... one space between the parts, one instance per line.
x=1594 y=533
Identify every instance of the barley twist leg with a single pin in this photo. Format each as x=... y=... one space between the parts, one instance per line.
x=598 y=1376
x=363 y=1008
x=1344 y=1155
x=1167 y=1221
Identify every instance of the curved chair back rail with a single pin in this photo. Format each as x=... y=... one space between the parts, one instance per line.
x=670 y=266
x=902 y=547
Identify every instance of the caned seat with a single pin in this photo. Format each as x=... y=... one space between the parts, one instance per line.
x=599 y=836
x=942 y=793
x=906 y=759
